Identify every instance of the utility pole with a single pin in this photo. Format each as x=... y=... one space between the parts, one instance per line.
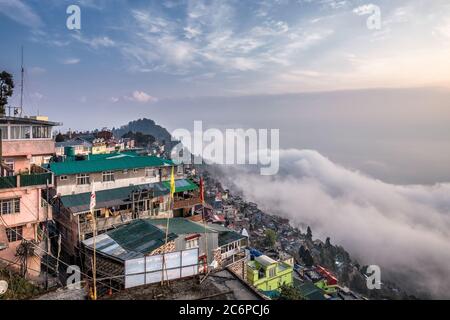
x=92 y=205
x=94 y=271
x=21 y=84
x=47 y=236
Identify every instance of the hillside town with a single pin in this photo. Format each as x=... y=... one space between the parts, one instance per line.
x=135 y=224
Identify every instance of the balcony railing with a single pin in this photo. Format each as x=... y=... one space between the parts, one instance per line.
x=120 y=218
x=26 y=180
x=8 y=182
x=35 y=179
x=106 y=223
x=186 y=203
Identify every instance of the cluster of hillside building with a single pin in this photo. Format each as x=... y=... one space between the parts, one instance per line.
x=139 y=232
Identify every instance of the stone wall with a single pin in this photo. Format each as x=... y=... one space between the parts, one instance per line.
x=239 y=268
x=218 y=257
x=169 y=247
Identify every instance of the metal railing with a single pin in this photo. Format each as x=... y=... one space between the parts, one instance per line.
x=25 y=180
x=186 y=203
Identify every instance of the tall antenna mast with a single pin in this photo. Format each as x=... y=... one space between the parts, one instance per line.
x=21 y=85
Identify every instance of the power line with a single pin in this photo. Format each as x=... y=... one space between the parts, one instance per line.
x=48 y=253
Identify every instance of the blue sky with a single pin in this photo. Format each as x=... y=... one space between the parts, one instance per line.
x=142 y=52
x=177 y=61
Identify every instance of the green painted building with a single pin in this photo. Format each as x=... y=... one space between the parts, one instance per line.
x=266 y=274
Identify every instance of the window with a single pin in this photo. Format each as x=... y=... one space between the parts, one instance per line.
x=4 y=132
x=40 y=132
x=108 y=176
x=9 y=163
x=63 y=178
x=135 y=170
x=150 y=173
x=272 y=272
x=10 y=206
x=14 y=233
x=83 y=178
x=192 y=243
x=20 y=132
x=26 y=132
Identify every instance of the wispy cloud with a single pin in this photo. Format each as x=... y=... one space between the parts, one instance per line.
x=71 y=61
x=208 y=37
x=139 y=96
x=95 y=42
x=20 y=12
x=37 y=70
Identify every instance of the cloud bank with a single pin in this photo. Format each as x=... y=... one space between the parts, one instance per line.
x=405 y=229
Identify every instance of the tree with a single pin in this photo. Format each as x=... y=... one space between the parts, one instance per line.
x=289 y=293
x=309 y=233
x=328 y=242
x=6 y=89
x=140 y=138
x=271 y=237
x=306 y=256
x=59 y=137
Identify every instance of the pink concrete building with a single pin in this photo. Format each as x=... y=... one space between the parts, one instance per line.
x=26 y=145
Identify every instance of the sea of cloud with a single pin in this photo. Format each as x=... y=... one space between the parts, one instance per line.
x=405 y=229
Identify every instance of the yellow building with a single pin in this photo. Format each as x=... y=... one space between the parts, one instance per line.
x=266 y=274
x=99 y=146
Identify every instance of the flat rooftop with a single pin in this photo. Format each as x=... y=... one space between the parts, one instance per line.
x=28 y=120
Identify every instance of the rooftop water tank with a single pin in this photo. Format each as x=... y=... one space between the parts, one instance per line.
x=69 y=151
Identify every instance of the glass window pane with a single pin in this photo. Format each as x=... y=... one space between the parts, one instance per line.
x=26 y=132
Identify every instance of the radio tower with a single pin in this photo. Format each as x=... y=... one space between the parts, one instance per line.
x=21 y=86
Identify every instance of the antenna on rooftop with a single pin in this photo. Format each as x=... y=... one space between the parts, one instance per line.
x=21 y=87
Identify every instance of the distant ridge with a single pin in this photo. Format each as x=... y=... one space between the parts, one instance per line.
x=146 y=126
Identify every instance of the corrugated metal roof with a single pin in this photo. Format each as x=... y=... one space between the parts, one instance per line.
x=113 y=197
x=108 y=198
x=226 y=235
x=265 y=260
x=72 y=143
x=229 y=237
x=180 y=226
x=106 y=164
x=181 y=185
x=130 y=241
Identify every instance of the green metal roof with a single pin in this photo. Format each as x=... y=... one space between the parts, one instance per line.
x=106 y=198
x=226 y=235
x=106 y=163
x=180 y=226
x=113 y=197
x=309 y=291
x=229 y=237
x=133 y=240
x=181 y=185
x=140 y=236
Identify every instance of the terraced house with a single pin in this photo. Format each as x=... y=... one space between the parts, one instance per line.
x=268 y=275
x=26 y=145
x=128 y=187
